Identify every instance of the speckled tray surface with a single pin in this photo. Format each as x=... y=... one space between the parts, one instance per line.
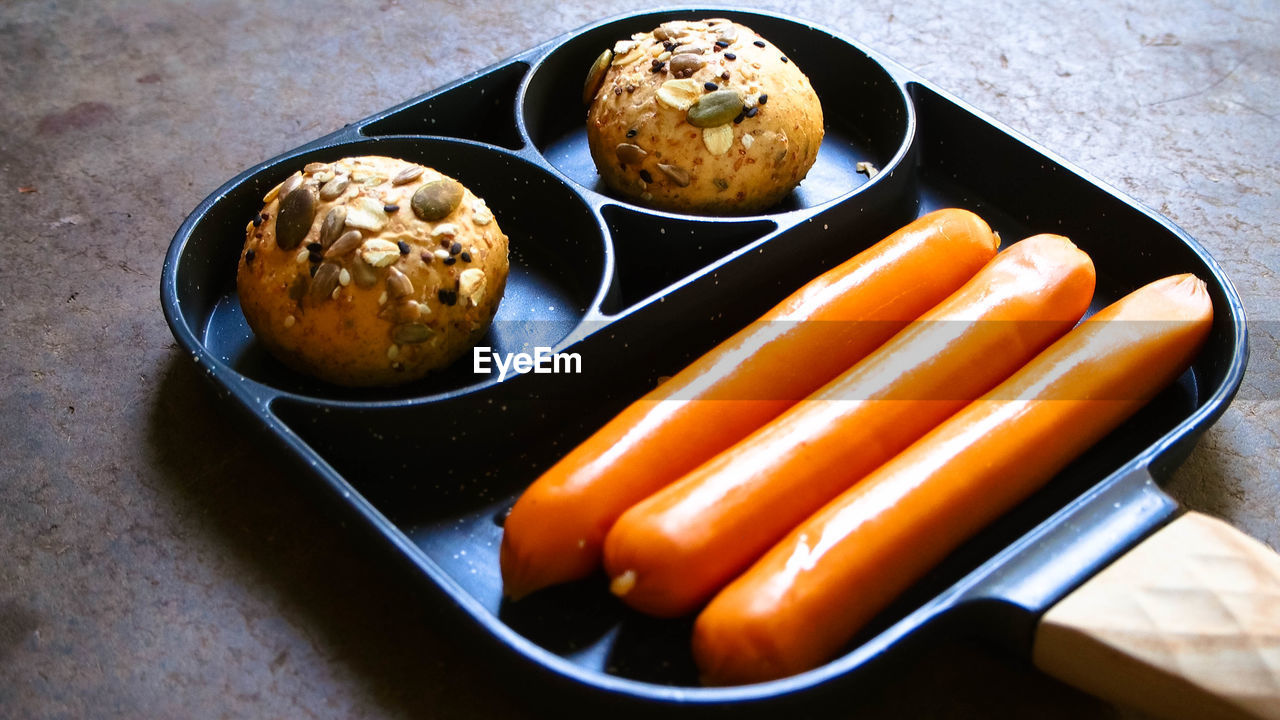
x=431 y=467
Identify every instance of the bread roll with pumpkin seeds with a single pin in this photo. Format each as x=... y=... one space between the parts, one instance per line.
x=371 y=271
x=701 y=117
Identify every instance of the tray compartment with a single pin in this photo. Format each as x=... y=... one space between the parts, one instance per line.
x=558 y=261
x=480 y=108
x=865 y=110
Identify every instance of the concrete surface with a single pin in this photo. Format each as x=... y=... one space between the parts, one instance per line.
x=154 y=563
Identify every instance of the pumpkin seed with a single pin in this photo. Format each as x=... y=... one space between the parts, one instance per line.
x=398 y=284
x=679 y=94
x=718 y=139
x=715 y=109
x=290 y=184
x=411 y=333
x=334 y=187
x=678 y=175
x=595 y=76
x=629 y=154
x=332 y=226
x=408 y=175
x=366 y=213
x=348 y=241
x=325 y=280
x=365 y=276
x=297 y=211
x=437 y=199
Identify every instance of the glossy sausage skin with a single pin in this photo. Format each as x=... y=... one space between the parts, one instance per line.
x=669 y=553
x=556 y=529
x=805 y=599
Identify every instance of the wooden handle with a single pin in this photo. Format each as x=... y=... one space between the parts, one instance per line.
x=1185 y=625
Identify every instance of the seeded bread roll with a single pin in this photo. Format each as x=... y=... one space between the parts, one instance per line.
x=371 y=271
x=701 y=117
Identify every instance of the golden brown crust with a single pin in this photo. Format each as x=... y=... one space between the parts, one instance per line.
x=651 y=150
x=354 y=287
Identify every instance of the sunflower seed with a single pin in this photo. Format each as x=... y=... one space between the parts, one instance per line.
x=364 y=276
x=407 y=311
x=325 y=280
x=315 y=167
x=297 y=211
x=686 y=63
x=407 y=175
x=348 y=241
x=298 y=287
x=678 y=175
x=334 y=187
x=437 y=199
x=398 y=284
x=411 y=333
x=333 y=223
x=629 y=154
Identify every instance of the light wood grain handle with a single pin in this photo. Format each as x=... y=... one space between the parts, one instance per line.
x=1185 y=625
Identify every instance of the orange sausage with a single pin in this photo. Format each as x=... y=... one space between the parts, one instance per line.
x=556 y=529
x=670 y=552
x=804 y=599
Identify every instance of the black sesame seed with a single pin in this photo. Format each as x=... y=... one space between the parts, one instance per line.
x=657 y=66
x=257 y=221
x=265 y=216
x=314 y=268
x=752 y=112
x=427 y=258
x=404 y=247
x=710 y=86
x=466 y=257
x=759 y=43
x=249 y=255
x=314 y=257
x=764 y=99
x=738 y=120
x=455 y=248
x=784 y=59
x=722 y=43
x=669 y=46
x=315 y=247
x=632 y=132
x=730 y=56
x=645 y=176
x=448 y=297
x=390 y=208
x=450 y=260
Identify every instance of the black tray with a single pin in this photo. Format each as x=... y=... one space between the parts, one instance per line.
x=431 y=468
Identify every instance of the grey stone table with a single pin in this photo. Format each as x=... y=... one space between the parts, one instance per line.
x=154 y=563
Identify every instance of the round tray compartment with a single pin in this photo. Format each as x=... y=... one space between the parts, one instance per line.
x=866 y=112
x=558 y=263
